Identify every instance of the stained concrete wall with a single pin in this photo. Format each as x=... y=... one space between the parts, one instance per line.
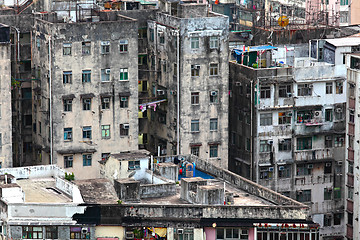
x=76 y=33
x=41 y=171
x=204 y=28
x=5 y=106
x=157 y=190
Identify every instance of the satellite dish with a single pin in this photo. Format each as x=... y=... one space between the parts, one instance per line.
x=283 y=21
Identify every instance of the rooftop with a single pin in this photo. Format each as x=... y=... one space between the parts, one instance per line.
x=344 y=42
x=97 y=191
x=131 y=155
x=42 y=190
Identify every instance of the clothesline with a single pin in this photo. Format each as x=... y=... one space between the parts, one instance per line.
x=144 y=106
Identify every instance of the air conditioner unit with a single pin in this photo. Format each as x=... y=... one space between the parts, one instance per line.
x=126 y=126
x=270 y=142
x=106 y=100
x=88 y=156
x=69 y=101
x=161 y=119
x=123 y=99
x=310 y=166
x=328 y=138
x=318 y=114
x=180 y=231
x=341 y=139
x=281 y=168
x=107 y=71
x=84 y=230
x=213 y=93
x=338 y=110
x=172 y=92
x=160 y=92
x=289 y=94
x=288 y=114
x=328 y=164
x=311 y=86
x=271 y=169
x=237 y=83
x=282 y=141
x=163 y=152
x=340 y=163
x=197 y=67
x=70 y=158
x=87 y=100
x=129 y=235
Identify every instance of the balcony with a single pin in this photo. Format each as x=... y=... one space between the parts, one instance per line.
x=352 y=103
x=350 y=154
x=351 y=128
x=311 y=179
x=313 y=155
x=350 y=180
x=349 y=231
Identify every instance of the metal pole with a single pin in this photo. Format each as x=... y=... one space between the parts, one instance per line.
x=178 y=94
x=50 y=106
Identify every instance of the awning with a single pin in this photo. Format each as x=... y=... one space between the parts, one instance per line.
x=214 y=143
x=242 y=160
x=265 y=164
x=106 y=94
x=74 y=151
x=69 y=96
x=87 y=95
x=124 y=94
x=195 y=144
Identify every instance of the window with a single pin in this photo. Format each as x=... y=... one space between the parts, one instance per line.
x=285 y=91
x=195 y=70
x=67 y=49
x=124 y=74
x=304 y=143
x=32 y=232
x=214 y=68
x=79 y=233
x=68 y=134
x=86 y=48
x=248 y=144
x=195 y=151
x=327 y=193
x=161 y=37
x=105 y=103
x=328 y=141
x=327 y=168
x=284 y=171
x=86 y=76
x=123 y=45
x=195 y=42
x=142 y=33
x=213 y=151
x=142 y=60
x=105 y=131
x=213 y=124
x=38 y=43
x=266 y=172
x=86 y=104
x=87 y=132
x=124 y=129
x=337 y=218
x=350 y=193
x=68 y=161
x=284 y=118
x=305 y=89
x=214 y=96
x=152 y=37
x=67 y=105
x=134 y=165
x=329 y=88
x=87 y=160
x=265 y=119
x=285 y=144
x=339 y=141
x=67 y=77
x=51 y=232
x=105 y=75
x=214 y=42
x=264 y=91
x=344 y=2
x=328 y=115
x=303 y=169
x=327 y=217
x=303 y=196
x=351 y=116
x=124 y=102
x=338 y=114
x=337 y=193
x=162 y=118
x=195 y=125
x=304 y=116
x=195 y=98
x=105 y=47
x=265 y=146
x=339 y=88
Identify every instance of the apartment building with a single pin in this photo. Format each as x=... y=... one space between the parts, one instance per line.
x=188 y=59
x=86 y=100
x=5 y=104
x=352 y=147
x=287 y=132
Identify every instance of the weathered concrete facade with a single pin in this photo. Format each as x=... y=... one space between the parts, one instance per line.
x=6 y=158
x=90 y=96
x=289 y=134
x=189 y=52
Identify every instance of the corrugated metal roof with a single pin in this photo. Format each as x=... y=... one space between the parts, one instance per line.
x=344 y=42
